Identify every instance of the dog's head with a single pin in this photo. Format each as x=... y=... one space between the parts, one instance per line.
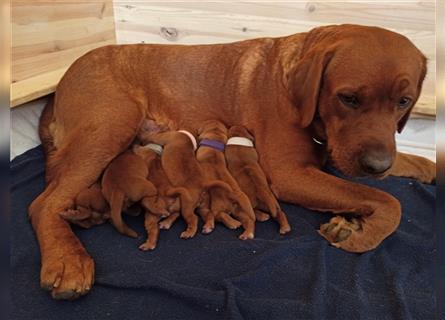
x=355 y=86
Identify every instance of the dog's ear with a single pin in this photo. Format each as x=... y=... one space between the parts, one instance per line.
x=402 y=122
x=305 y=80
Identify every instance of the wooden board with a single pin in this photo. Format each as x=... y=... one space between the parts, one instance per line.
x=195 y=22
x=47 y=36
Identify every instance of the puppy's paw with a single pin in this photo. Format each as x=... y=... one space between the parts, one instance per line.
x=188 y=233
x=147 y=246
x=285 y=229
x=246 y=235
x=228 y=221
x=208 y=227
x=168 y=222
x=261 y=216
x=165 y=224
x=74 y=215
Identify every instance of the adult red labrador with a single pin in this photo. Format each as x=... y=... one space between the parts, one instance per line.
x=350 y=86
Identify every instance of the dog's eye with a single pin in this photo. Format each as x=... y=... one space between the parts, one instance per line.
x=404 y=102
x=349 y=100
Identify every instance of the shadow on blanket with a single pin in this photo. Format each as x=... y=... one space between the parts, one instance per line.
x=217 y=276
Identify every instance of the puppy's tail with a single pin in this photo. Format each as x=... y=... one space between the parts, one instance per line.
x=178 y=191
x=183 y=193
x=116 y=203
x=264 y=193
x=244 y=203
x=235 y=195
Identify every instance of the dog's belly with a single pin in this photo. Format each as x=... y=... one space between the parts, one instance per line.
x=177 y=84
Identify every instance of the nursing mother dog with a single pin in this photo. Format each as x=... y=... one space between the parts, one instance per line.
x=351 y=87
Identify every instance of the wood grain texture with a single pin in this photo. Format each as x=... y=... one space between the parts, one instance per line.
x=191 y=22
x=47 y=36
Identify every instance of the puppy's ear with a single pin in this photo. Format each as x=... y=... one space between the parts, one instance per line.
x=305 y=80
x=402 y=122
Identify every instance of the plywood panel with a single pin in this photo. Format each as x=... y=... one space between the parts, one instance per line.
x=191 y=22
x=47 y=36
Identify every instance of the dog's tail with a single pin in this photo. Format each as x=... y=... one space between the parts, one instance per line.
x=235 y=195
x=44 y=123
x=217 y=184
x=116 y=203
x=244 y=203
x=264 y=193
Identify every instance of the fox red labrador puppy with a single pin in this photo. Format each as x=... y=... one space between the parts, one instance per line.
x=351 y=87
x=242 y=162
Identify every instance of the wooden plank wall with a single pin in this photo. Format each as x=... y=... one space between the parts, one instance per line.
x=47 y=36
x=218 y=22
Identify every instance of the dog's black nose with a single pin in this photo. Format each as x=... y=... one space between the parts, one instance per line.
x=376 y=161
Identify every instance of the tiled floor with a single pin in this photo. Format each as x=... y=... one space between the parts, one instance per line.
x=418 y=136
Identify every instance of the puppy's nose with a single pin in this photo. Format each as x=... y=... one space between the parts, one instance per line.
x=376 y=161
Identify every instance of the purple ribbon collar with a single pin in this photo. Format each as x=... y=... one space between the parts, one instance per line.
x=218 y=145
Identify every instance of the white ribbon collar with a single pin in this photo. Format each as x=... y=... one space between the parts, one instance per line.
x=240 y=141
x=191 y=137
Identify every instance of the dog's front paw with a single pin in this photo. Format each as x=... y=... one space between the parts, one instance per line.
x=353 y=235
x=67 y=275
x=339 y=229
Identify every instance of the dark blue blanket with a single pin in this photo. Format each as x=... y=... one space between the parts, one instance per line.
x=217 y=276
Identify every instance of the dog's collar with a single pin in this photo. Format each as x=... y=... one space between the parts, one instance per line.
x=155 y=147
x=192 y=138
x=318 y=141
x=239 y=141
x=217 y=145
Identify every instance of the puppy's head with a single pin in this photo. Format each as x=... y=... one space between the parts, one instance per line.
x=355 y=86
x=213 y=129
x=240 y=131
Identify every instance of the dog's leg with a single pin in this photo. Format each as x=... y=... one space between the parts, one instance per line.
x=152 y=227
x=261 y=216
x=82 y=153
x=227 y=220
x=209 y=221
x=297 y=179
x=282 y=222
x=412 y=166
x=377 y=213
x=247 y=222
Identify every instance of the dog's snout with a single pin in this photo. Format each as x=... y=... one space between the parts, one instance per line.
x=376 y=161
